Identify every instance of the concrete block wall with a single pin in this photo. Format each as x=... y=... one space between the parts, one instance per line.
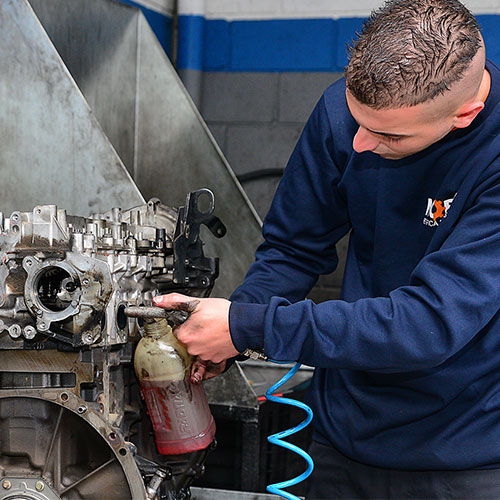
x=255 y=69
x=256 y=119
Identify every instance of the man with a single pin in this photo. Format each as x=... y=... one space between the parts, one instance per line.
x=404 y=153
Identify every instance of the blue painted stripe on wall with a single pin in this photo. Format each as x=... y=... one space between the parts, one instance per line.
x=190 y=41
x=283 y=45
x=161 y=24
x=299 y=45
x=217 y=45
x=348 y=28
x=490 y=27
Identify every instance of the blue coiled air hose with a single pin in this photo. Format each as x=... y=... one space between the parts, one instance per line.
x=277 y=438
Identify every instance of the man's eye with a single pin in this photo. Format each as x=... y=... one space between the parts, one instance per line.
x=393 y=139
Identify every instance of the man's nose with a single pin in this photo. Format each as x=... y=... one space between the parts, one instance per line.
x=364 y=141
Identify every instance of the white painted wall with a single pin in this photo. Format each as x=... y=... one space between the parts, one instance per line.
x=297 y=9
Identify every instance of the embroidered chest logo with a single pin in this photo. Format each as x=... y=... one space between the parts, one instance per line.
x=436 y=211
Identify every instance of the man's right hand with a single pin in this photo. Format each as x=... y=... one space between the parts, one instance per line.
x=205 y=333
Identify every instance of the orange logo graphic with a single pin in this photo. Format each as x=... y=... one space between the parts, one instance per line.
x=440 y=210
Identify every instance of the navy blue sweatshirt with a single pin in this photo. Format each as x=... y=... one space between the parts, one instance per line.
x=408 y=361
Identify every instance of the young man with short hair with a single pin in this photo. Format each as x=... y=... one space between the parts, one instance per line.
x=404 y=153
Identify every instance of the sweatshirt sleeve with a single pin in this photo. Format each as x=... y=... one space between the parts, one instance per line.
x=300 y=232
x=454 y=293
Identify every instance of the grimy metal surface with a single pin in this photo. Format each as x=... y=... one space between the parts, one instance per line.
x=149 y=117
x=53 y=150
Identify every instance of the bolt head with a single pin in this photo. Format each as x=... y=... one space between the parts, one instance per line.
x=6 y=485
x=39 y=486
x=29 y=332
x=15 y=331
x=88 y=339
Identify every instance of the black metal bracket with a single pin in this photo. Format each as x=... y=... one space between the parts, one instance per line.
x=191 y=268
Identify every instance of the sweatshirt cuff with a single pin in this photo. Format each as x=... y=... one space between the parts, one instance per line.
x=246 y=325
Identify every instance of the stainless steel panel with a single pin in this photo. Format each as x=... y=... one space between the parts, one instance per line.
x=97 y=41
x=53 y=150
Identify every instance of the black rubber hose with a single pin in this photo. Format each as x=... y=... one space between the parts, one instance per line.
x=261 y=173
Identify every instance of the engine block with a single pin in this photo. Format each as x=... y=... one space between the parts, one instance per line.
x=66 y=345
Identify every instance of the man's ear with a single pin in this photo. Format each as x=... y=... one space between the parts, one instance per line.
x=466 y=113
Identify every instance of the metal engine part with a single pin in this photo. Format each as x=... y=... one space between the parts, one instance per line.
x=72 y=423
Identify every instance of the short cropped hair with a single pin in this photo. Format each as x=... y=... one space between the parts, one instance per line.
x=411 y=51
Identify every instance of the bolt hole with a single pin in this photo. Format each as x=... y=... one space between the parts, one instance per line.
x=204 y=203
x=64 y=396
x=122 y=452
x=15 y=229
x=121 y=318
x=112 y=436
